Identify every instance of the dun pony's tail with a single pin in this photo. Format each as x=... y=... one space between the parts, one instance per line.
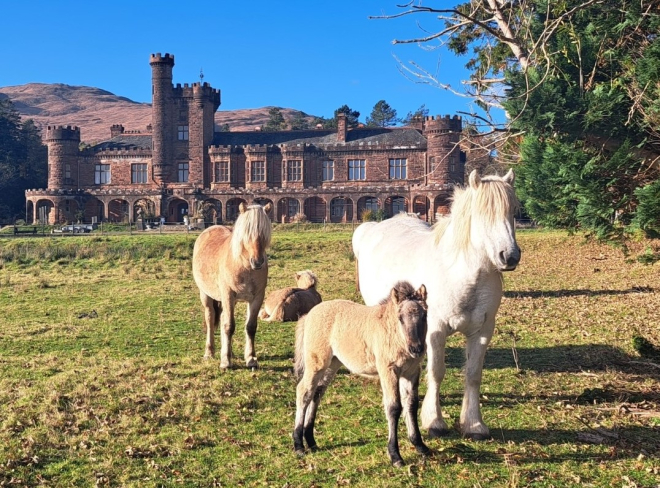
x=299 y=357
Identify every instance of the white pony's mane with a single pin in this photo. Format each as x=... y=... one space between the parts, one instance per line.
x=493 y=200
x=251 y=225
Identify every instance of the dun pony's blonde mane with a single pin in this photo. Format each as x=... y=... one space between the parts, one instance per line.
x=251 y=225
x=492 y=201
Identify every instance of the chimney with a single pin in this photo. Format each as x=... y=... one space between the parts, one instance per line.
x=341 y=127
x=417 y=122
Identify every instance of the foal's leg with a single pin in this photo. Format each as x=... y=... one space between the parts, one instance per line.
x=251 y=331
x=209 y=324
x=310 y=415
x=431 y=411
x=228 y=326
x=472 y=425
x=389 y=382
x=409 y=388
x=304 y=396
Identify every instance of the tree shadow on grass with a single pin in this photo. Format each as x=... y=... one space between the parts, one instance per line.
x=575 y=293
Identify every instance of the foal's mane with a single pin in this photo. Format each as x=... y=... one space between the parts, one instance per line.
x=492 y=200
x=251 y=225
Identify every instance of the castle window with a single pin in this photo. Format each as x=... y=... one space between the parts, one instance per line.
x=101 y=174
x=183 y=173
x=67 y=171
x=222 y=171
x=139 y=173
x=398 y=169
x=294 y=170
x=183 y=132
x=452 y=164
x=431 y=164
x=328 y=170
x=357 y=169
x=258 y=172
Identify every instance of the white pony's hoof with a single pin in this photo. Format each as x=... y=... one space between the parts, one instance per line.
x=438 y=428
x=252 y=364
x=478 y=432
x=225 y=364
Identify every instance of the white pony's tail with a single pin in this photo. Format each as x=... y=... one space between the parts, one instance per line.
x=299 y=357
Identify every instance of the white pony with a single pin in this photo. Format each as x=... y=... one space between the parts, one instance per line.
x=460 y=260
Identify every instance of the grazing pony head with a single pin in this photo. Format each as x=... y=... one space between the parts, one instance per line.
x=411 y=312
x=251 y=235
x=483 y=218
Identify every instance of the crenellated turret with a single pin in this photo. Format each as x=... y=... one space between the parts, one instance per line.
x=62 y=142
x=162 y=115
x=443 y=135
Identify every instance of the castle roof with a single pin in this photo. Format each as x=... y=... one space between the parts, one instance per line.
x=404 y=136
x=124 y=142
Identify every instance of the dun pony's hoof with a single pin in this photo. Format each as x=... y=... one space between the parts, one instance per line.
x=435 y=432
x=423 y=450
x=300 y=452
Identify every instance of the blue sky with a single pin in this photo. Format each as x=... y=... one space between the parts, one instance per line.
x=310 y=56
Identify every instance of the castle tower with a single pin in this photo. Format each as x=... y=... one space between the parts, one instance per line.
x=62 y=142
x=162 y=115
x=443 y=135
x=201 y=109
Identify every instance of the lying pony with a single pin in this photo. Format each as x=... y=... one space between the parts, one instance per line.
x=292 y=303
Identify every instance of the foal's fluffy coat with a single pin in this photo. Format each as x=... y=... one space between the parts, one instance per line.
x=292 y=303
x=385 y=341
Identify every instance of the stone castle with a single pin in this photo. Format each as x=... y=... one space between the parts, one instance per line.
x=180 y=166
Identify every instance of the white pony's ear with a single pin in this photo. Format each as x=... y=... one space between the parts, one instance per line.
x=268 y=207
x=242 y=207
x=509 y=177
x=474 y=179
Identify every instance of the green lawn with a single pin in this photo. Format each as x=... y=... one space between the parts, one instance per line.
x=102 y=380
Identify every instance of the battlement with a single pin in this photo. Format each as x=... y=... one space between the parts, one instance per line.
x=443 y=124
x=159 y=59
x=62 y=133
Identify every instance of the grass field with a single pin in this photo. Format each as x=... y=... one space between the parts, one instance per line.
x=102 y=380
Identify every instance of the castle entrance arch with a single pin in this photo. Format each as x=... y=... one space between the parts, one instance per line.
x=145 y=209
x=45 y=212
x=263 y=202
x=94 y=209
x=394 y=205
x=287 y=209
x=211 y=211
x=29 y=212
x=315 y=209
x=176 y=210
x=368 y=205
x=421 y=207
x=441 y=206
x=118 y=210
x=341 y=209
x=67 y=211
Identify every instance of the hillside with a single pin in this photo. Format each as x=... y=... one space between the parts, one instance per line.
x=95 y=110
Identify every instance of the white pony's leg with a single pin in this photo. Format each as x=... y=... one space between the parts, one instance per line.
x=228 y=326
x=472 y=425
x=431 y=411
x=209 y=324
x=251 y=331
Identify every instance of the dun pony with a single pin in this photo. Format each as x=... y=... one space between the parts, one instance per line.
x=385 y=341
x=292 y=303
x=460 y=260
x=231 y=266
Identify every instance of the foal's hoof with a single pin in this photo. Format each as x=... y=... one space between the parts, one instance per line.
x=300 y=452
x=435 y=432
x=398 y=463
x=423 y=450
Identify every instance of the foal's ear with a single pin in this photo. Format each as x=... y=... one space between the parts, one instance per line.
x=268 y=207
x=421 y=293
x=509 y=177
x=242 y=207
x=297 y=276
x=394 y=297
x=474 y=179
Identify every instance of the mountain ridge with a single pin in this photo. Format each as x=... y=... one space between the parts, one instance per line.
x=94 y=110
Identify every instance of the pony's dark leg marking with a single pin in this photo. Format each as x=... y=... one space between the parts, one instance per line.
x=305 y=392
x=310 y=415
x=409 y=388
x=392 y=404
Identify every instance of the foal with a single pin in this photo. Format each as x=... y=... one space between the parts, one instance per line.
x=292 y=303
x=385 y=341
